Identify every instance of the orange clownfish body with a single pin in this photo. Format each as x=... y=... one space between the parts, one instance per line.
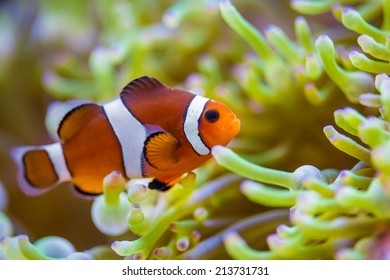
x=148 y=131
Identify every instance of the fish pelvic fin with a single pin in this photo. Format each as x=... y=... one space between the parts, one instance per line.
x=163 y=185
x=40 y=168
x=158 y=185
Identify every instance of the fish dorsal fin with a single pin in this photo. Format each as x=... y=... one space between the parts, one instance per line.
x=76 y=119
x=143 y=84
x=160 y=149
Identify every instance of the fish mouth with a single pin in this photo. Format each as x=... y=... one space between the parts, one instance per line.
x=234 y=126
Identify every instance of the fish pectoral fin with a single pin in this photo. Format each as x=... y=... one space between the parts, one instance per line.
x=160 y=150
x=77 y=118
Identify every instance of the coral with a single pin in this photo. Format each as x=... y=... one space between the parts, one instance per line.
x=290 y=186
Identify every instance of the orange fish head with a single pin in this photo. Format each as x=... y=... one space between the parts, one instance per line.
x=218 y=124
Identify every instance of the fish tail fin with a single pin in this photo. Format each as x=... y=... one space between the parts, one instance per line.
x=40 y=168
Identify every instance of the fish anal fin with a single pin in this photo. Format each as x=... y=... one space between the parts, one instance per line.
x=160 y=150
x=76 y=119
x=141 y=85
x=86 y=195
x=87 y=188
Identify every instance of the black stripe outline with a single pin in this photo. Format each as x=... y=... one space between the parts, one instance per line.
x=199 y=119
x=117 y=139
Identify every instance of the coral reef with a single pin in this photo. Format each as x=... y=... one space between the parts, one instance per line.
x=290 y=186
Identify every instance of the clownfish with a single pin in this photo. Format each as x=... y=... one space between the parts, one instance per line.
x=148 y=131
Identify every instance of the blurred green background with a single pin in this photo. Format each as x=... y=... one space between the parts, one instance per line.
x=47 y=50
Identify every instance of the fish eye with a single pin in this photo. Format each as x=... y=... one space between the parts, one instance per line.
x=212 y=116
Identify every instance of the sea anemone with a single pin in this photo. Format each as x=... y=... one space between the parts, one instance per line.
x=290 y=186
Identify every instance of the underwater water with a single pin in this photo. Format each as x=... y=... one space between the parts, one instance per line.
x=307 y=177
